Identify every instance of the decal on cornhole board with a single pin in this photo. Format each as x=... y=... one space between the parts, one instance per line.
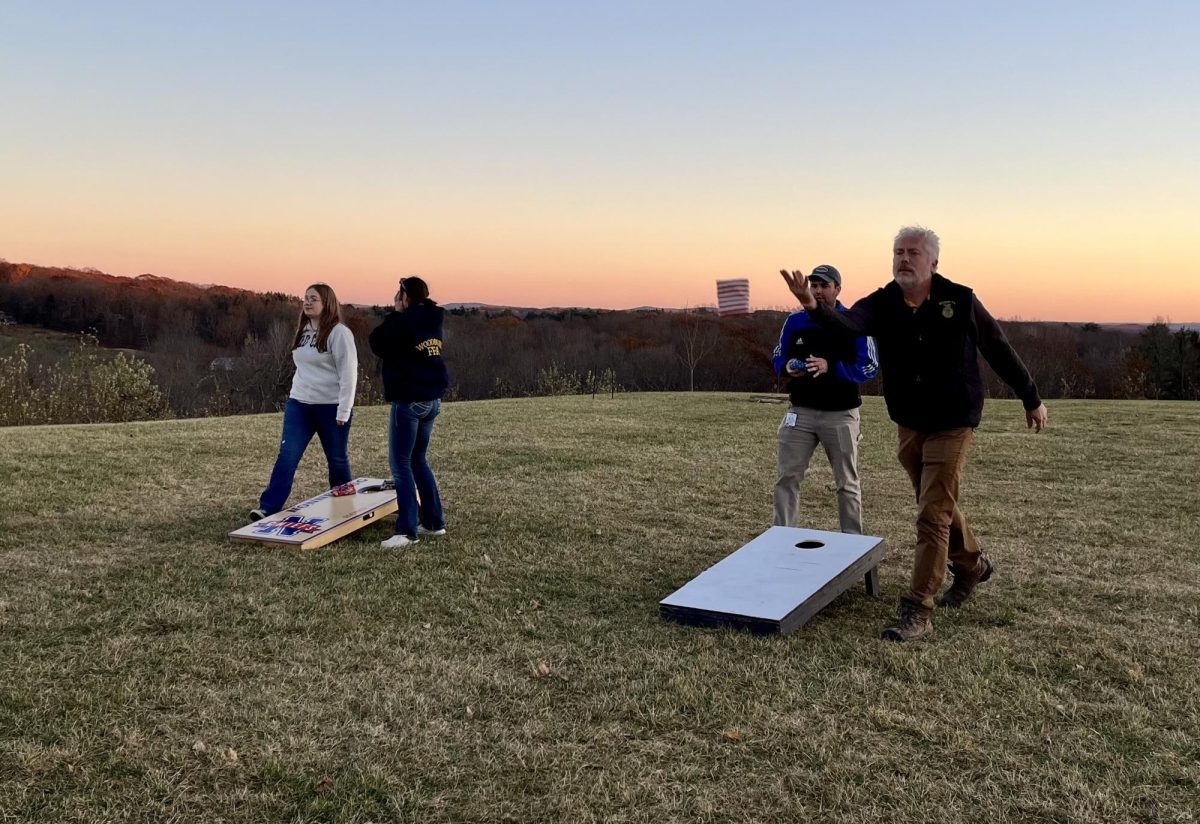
x=778 y=581
x=325 y=518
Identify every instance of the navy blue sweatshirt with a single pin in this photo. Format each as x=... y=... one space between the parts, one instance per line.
x=410 y=345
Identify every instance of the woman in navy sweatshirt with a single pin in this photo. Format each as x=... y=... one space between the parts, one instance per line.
x=409 y=342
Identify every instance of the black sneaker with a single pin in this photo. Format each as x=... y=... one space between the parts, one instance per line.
x=257 y=514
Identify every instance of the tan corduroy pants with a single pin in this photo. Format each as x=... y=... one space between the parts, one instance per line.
x=934 y=462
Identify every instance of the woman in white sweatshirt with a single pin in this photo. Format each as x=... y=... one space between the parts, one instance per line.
x=321 y=400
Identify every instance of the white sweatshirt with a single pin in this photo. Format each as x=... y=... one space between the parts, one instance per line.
x=330 y=376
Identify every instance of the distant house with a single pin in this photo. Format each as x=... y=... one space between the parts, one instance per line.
x=226 y=364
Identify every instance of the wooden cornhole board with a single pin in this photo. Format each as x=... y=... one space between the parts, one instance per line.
x=778 y=581
x=323 y=519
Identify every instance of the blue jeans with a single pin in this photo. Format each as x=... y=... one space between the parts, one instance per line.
x=408 y=440
x=300 y=422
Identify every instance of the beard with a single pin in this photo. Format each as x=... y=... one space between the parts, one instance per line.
x=907 y=280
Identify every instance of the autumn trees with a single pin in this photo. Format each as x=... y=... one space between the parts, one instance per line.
x=224 y=351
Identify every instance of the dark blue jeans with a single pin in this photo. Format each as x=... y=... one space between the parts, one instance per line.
x=408 y=440
x=300 y=422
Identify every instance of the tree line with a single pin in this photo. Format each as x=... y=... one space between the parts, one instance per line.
x=225 y=351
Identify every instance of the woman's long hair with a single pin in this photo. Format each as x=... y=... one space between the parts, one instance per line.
x=331 y=316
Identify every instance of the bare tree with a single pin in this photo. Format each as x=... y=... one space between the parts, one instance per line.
x=695 y=337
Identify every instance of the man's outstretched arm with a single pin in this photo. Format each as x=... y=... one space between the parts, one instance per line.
x=1000 y=355
x=858 y=320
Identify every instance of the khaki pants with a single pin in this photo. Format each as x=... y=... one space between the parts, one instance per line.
x=934 y=462
x=838 y=432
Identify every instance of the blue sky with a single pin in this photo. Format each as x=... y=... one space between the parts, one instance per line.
x=610 y=153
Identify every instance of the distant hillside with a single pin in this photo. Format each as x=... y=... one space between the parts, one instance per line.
x=11 y=273
x=18 y=272
x=1137 y=328
x=143 y=312
x=223 y=350
x=157 y=284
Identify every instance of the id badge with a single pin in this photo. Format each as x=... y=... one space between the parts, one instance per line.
x=789 y=419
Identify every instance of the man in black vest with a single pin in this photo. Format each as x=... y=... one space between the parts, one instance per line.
x=930 y=332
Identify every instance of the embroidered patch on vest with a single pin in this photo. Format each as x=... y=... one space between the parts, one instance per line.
x=947 y=308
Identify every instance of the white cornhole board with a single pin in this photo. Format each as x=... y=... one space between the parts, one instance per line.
x=323 y=519
x=771 y=585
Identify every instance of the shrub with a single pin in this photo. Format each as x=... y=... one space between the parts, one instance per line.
x=87 y=387
x=554 y=380
x=18 y=389
x=604 y=383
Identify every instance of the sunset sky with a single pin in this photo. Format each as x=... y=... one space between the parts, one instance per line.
x=611 y=154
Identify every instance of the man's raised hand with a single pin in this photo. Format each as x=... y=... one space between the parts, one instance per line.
x=798 y=284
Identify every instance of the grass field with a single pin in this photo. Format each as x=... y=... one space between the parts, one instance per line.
x=54 y=345
x=517 y=669
x=46 y=345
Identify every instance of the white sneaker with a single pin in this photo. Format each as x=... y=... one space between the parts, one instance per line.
x=432 y=533
x=398 y=542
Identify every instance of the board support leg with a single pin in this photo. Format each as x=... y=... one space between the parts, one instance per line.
x=872 y=578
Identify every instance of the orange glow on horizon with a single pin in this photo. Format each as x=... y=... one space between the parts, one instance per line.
x=611 y=261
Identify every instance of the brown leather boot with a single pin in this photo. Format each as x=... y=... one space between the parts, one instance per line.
x=964 y=584
x=911 y=623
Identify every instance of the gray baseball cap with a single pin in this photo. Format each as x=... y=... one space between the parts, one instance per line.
x=828 y=274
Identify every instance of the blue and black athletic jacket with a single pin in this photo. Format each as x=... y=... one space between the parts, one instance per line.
x=851 y=361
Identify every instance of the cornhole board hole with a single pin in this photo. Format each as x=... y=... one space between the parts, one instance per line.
x=323 y=519
x=778 y=581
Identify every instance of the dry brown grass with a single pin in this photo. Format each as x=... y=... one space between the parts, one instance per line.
x=518 y=668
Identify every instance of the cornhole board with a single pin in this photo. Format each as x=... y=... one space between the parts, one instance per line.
x=778 y=581
x=323 y=519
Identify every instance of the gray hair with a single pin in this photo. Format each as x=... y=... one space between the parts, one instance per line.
x=932 y=244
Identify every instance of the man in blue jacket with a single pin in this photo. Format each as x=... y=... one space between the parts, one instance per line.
x=931 y=332
x=825 y=370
